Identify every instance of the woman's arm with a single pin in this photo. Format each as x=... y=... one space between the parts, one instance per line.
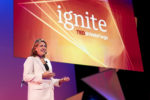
x=56 y=82
x=28 y=74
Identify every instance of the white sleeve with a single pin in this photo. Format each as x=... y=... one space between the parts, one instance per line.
x=28 y=74
x=56 y=82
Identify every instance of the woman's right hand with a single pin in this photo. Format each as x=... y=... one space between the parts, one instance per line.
x=47 y=75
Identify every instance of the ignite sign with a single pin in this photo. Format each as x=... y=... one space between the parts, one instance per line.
x=87 y=32
x=101 y=23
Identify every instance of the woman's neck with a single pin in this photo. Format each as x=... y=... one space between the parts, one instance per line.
x=41 y=57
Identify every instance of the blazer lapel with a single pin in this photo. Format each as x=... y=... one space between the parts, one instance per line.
x=40 y=63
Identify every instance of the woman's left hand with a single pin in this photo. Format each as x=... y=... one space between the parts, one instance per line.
x=65 y=79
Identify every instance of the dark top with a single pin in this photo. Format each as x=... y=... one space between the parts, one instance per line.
x=46 y=66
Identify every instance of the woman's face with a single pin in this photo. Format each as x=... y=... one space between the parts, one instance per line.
x=41 y=49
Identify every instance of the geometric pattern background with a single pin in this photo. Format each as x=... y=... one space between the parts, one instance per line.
x=107 y=84
x=76 y=97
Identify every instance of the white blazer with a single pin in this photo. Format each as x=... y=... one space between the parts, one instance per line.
x=38 y=88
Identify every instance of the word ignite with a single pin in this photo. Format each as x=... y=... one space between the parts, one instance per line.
x=70 y=17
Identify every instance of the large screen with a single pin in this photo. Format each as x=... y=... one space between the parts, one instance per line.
x=98 y=33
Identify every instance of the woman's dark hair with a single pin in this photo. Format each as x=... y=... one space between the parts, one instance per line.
x=36 y=43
